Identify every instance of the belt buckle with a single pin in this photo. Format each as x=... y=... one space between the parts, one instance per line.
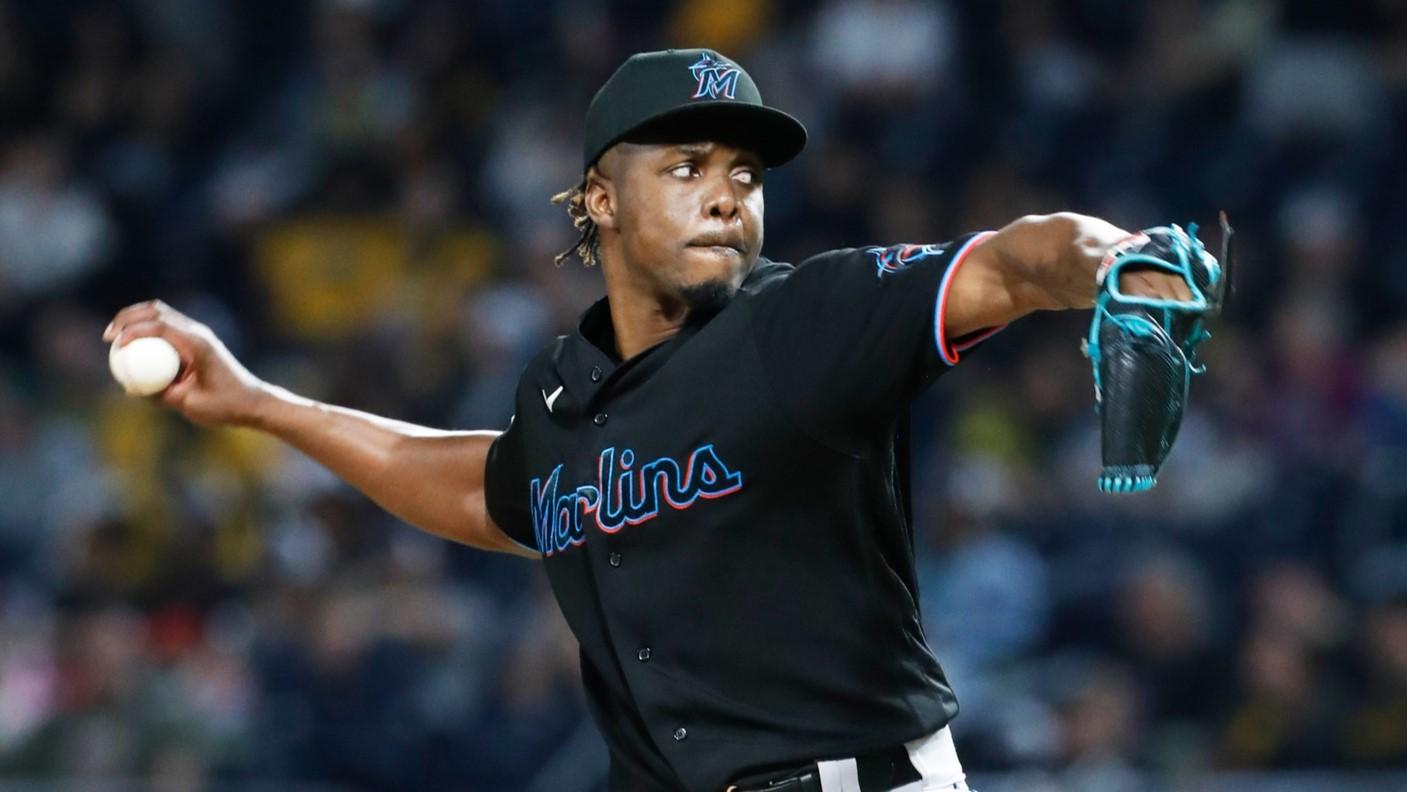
x=887 y=768
x=805 y=781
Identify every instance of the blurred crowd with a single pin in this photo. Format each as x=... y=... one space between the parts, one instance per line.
x=354 y=195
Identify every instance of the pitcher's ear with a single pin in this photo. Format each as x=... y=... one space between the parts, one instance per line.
x=599 y=199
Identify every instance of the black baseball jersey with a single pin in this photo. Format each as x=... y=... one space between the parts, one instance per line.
x=722 y=523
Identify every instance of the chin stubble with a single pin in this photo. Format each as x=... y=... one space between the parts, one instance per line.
x=706 y=299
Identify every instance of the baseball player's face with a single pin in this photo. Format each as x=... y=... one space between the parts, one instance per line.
x=689 y=217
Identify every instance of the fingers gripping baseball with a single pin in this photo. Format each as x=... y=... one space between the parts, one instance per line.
x=211 y=386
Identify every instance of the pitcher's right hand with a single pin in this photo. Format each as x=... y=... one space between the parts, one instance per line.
x=212 y=387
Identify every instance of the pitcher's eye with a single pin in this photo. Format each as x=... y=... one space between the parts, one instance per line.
x=683 y=170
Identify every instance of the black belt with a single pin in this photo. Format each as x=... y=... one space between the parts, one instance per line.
x=879 y=771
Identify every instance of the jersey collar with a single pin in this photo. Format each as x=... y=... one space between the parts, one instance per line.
x=586 y=363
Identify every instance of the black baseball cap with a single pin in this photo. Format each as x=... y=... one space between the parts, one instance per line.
x=688 y=94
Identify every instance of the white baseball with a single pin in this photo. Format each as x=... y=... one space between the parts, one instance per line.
x=145 y=366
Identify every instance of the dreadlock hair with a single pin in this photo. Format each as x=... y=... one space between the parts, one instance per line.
x=588 y=243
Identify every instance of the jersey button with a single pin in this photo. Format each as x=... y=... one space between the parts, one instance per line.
x=613 y=559
x=643 y=655
x=595 y=373
x=600 y=419
x=680 y=733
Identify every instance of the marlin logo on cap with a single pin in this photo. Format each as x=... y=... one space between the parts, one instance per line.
x=717 y=78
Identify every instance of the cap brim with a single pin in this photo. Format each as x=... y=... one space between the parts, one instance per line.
x=776 y=136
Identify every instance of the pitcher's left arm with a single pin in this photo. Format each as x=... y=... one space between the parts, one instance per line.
x=1043 y=263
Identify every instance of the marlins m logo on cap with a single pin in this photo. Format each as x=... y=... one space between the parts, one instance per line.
x=717 y=78
x=644 y=101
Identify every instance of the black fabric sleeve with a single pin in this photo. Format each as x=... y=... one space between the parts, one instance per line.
x=505 y=486
x=851 y=336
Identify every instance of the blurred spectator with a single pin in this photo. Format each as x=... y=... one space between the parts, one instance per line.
x=884 y=50
x=1165 y=613
x=1373 y=733
x=1101 y=722
x=1284 y=716
x=53 y=230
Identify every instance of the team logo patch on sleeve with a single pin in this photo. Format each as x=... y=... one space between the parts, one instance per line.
x=717 y=79
x=889 y=260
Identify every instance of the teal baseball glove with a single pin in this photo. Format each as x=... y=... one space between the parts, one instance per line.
x=1144 y=350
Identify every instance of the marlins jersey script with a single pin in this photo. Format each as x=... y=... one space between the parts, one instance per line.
x=722 y=521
